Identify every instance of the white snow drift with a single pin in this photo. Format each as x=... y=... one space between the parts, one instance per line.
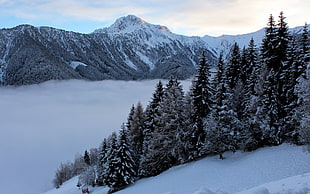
x=258 y=172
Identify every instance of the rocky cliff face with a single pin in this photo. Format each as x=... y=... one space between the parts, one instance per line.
x=129 y=49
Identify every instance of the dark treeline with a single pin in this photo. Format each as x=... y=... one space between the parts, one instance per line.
x=259 y=96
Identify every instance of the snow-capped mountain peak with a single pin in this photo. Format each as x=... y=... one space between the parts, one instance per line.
x=132 y=23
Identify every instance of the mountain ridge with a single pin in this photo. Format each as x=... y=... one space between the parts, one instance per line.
x=129 y=49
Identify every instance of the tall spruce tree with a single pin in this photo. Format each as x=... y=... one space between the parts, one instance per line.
x=233 y=66
x=151 y=124
x=251 y=133
x=151 y=112
x=289 y=101
x=305 y=51
x=101 y=166
x=274 y=100
x=166 y=147
x=87 y=158
x=110 y=167
x=202 y=105
x=269 y=44
x=253 y=70
x=135 y=127
x=220 y=130
x=124 y=172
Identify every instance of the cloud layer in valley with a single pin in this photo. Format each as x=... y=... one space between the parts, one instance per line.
x=46 y=124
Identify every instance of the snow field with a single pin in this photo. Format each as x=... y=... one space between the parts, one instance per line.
x=282 y=169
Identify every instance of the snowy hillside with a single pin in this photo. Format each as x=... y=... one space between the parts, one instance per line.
x=281 y=169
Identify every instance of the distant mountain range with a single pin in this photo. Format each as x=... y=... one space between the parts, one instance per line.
x=129 y=49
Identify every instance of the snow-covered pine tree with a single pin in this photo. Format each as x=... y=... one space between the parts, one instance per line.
x=88 y=177
x=303 y=110
x=151 y=113
x=282 y=41
x=270 y=100
x=251 y=133
x=102 y=160
x=110 y=167
x=289 y=97
x=305 y=51
x=167 y=148
x=268 y=45
x=220 y=131
x=274 y=55
x=253 y=70
x=244 y=66
x=233 y=66
x=86 y=158
x=135 y=127
x=173 y=122
x=202 y=105
x=124 y=172
x=235 y=78
x=201 y=89
x=130 y=117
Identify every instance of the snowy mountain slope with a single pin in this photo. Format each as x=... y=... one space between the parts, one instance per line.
x=261 y=170
x=294 y=184
x=129 y=49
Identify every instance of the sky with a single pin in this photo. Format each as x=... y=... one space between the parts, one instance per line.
x=186 y=17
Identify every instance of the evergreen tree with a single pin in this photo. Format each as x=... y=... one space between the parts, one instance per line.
x=252 y=69
x=151 y=112
x=86 y=158
x=274 y=99
x=235 y=78
x=130 y=117
x=88 y=177
x=271 y=122
x=289 y=100
x=135 y=127
x=269 y=45
x=244 y=66
x=233 y=66
x=110 y=167
x=251 y=133
x=305 y=51
x=303 y=110
x=202 y=89
x=222 y=120
x=166 y=148
x=101 y=166
x=202 y=105
x=282 y=41
x=151 y=124
x=124 y=172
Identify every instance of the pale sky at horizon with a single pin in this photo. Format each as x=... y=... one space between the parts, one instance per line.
x=186 y=17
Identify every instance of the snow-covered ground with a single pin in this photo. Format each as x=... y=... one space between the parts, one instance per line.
x=283 y=169
x=46 y=124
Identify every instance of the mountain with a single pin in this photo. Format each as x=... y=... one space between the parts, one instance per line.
x=129 y=49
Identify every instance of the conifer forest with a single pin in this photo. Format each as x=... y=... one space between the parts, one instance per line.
x=257 y=96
